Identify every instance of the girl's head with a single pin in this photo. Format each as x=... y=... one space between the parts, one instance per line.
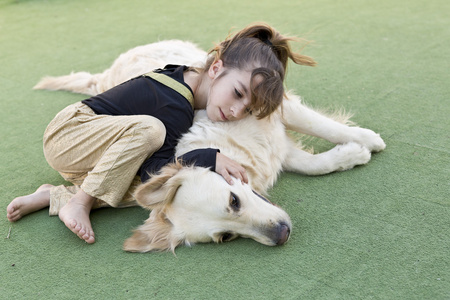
x=253 y=63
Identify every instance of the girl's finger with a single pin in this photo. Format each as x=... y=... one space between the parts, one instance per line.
x=227 y=177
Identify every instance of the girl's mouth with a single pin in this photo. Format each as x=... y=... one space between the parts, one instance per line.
x=222 y=115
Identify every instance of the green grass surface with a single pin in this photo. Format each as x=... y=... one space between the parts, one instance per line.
x=380 y=231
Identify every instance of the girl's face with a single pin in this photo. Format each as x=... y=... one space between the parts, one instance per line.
x=229 y=94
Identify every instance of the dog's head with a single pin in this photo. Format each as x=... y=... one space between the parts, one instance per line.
x=195 y=205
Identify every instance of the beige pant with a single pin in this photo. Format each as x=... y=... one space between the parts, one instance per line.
x=100 y=154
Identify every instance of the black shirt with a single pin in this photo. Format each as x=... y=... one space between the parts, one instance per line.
x=145 y=96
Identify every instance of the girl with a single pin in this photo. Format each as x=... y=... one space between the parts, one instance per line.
x=102 y=143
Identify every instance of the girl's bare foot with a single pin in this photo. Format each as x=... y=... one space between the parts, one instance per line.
x=24 y=205
x=75 y=215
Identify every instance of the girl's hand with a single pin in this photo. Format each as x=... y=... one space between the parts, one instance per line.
x=226 y=167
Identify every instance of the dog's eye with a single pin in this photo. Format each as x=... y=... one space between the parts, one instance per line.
x=235 y=203
x=262 y=197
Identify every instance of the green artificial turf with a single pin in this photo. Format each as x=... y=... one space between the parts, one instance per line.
x=379 y=231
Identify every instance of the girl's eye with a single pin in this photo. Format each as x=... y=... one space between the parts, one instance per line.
x=238 y=94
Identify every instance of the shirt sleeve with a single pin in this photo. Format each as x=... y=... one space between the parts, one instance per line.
x=200 y=157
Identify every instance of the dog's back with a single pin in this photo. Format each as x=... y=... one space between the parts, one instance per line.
x=134 y=62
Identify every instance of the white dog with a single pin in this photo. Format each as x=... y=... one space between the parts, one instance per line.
x=192 y=204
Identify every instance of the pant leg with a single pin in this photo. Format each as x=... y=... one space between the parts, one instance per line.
x=101 y=153
x=60 y=195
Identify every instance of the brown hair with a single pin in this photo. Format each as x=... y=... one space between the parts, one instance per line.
x=261 y=49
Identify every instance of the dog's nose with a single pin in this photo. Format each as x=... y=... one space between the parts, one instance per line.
x=284 y=232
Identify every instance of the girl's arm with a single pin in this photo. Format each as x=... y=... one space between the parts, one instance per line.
x=207 y=158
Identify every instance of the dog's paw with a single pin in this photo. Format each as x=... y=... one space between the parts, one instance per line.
x=369 y=139
x=350 y=155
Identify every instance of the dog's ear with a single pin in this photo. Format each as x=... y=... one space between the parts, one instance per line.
x=156 y=194
x=154 y=235
x=161 y=188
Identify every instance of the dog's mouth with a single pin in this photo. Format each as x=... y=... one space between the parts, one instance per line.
x=275 y=235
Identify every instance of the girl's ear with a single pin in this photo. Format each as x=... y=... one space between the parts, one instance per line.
x=215 y=69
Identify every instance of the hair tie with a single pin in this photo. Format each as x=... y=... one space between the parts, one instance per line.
x=267 y=42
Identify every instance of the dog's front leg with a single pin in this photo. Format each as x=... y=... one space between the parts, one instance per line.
x=340 y=158
x=302 y=119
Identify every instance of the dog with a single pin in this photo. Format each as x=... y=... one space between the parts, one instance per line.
x=192 y=204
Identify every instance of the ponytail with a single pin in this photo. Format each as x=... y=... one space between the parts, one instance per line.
x=264 y=52
x=278 y=43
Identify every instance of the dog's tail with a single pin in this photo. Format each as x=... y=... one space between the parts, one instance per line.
x=79 y=82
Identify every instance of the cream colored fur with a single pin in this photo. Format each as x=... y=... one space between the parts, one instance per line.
x=192 y=204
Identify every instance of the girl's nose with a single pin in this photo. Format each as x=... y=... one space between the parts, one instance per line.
x=238 y=110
